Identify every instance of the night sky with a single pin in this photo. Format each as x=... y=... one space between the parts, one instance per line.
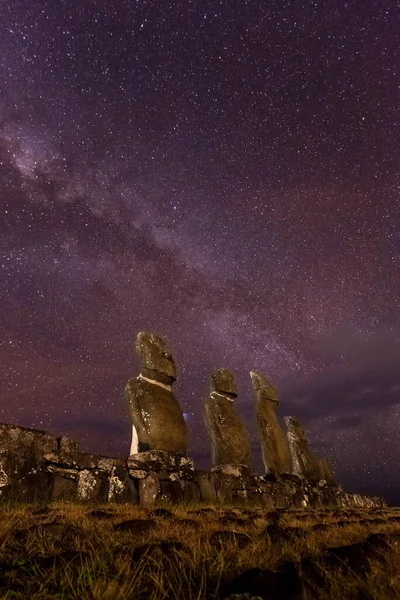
x=224 y=174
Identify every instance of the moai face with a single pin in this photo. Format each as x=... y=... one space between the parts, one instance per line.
x=223 y=382
x=230 y=442
x=156 y=358
x=264 y=387
x=157 y=419
x=295 y=429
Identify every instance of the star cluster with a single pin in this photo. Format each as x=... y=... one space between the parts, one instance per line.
x=224 y=174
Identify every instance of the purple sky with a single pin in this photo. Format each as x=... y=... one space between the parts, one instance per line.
x=224 y=174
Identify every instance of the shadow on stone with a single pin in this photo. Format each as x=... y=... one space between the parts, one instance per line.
x=220 y=539
x=158 y=551
x=62 y=534
x=232 y=521
x=285 y=534
x=188 y=523
x=101 y=514
x=162 y=512
x=202 y=512
x=273 y=517
x=139 y=526
x=351 y=558
x=286 y=584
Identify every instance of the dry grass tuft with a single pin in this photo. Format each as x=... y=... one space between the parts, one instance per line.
x=85 y=552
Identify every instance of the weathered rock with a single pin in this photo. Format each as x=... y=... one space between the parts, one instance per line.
x=159 y=551
x=59 y=534
x=230 y=442
x=121 y=488
x=225 y=485
x=274 y=445
x=156 y=358
x=286 y=584
x=93 y=486
x=149 y=490
x=203 y=512
x=171 y=491
x=284 y=534
x=170 y=462
x=157 y=418
x=220 y=539
x=191 y=492
x=63 y=488
x=23 y=473
x=138 y=526
x=325 y=470
x=223 y=381
x=189 y=524
x=30 y=472
x=68 y=451
x=161 y=513
x=234 y=520
x=304 y=464
x=351 y=558
x=273 y=516
x=101 y=514
x=206 y=483
x=242 y=497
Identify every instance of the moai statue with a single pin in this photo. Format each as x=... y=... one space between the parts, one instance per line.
x=274 y=444
x=325 y=470
x=304 y=463
x=157 y=418
x=230 y=442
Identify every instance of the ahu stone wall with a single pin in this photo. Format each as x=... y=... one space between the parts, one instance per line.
x=36 y=466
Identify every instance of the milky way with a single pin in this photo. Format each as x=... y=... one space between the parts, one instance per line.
x=224 y=174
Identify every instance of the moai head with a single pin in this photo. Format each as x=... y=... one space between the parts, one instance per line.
x=295 y=429
x=223 y=382
x=264 y=388
x=156 y=358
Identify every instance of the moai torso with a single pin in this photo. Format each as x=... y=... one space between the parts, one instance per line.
x=274 y=445
x=230 y=442
x=325 y=470
x=305 y=465
x=157 y=418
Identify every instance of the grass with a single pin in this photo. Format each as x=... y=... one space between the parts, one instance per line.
x=61 y=551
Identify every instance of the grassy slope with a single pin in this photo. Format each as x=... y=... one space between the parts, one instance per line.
x=89 y=560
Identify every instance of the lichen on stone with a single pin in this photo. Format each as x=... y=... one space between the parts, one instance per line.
x=116 y=486
x=86 y=484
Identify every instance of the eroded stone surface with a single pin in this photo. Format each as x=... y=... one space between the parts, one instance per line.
x=223 y=381
x=149 y=490
x=156 y=416
x=155 y=356
x=274 y=445
x=230 y=442
x=325 y=470
x=304 y=463
x=28 y=472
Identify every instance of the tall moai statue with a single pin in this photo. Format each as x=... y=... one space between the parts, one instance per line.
x=304 y=463
x=274 y=445
x=325 y=470
x=230 y=442
x=157 y=418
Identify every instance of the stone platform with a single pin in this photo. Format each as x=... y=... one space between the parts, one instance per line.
x=36 y=466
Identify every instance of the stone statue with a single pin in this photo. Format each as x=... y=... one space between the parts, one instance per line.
x=274 y=444
x=325 y=470
x=304 y=463
x=230 y=442
x=157 y=418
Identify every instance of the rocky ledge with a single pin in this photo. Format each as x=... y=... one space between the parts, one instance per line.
x=36 y=466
